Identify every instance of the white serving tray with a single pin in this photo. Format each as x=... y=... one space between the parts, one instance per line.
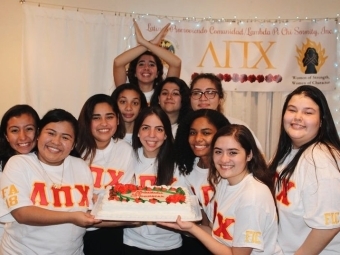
x=149 y=218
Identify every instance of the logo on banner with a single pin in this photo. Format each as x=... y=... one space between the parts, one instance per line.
x=311 y=57
x=168 y=45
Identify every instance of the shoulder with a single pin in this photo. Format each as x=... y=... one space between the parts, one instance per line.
x=122 y=144
x=255 y=192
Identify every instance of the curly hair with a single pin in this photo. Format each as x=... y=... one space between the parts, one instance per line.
x=131 y=72
x=184 y=155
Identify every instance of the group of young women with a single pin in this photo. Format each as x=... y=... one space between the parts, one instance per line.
x=55 y=169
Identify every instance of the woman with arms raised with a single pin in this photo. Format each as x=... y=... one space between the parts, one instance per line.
x=145 y=64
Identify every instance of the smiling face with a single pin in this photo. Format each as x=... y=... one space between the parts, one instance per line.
x=20 y=133
x=129 y=104
x=203 y=85
x=301 y=120
x=230 y=159
x=152 y=135
x=55 y=142
x=104 y=124
x=200 y=137
x=146 y=70
x=170 y=98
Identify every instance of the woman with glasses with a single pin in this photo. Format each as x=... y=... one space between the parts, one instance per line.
x=172 y=95
x=206 y=92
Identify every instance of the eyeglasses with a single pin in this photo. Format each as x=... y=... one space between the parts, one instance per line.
x=209 y=94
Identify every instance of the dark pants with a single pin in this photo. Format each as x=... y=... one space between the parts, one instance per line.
x=192 y=245
x=131 y=250
x=104 y=241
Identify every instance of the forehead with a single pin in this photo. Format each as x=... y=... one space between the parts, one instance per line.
x=102 y=107
x=204 y=84
x=146 y=58
x=202 y=123
x=303 y=101
x=170 y=86
x=23 y=119
x=63 y=127
x=129 y=93
x=152 y=120
x=227 y=142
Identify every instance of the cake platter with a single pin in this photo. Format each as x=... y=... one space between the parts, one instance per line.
x=131 y=216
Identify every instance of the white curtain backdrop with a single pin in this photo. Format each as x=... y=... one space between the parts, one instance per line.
x=68 y=57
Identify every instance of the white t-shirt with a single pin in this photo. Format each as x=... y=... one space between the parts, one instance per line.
x=312 y=200
x=199 y=184
x=148 y=96
x=174 y=128
x=128 y=138
x=26 y=182
x=244 y=215
x=112 y=165
x=150 y=236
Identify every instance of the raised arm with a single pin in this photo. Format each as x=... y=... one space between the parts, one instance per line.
x=171 y=59
x=120 y=62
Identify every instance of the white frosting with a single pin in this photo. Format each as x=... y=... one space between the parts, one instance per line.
x=122 y=210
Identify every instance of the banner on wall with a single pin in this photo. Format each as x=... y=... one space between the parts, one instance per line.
x=253 y=56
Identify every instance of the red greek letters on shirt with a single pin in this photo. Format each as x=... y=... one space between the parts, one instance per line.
x=39 y=197
x=99 y=173
x=223 y=225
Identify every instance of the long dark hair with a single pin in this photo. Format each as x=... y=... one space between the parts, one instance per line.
x=257 y=165
x=87 y=144
x=183 y=90
x=184 y=155
x=327 y=135
x=131 y=72
x=6 y=151
x=165 y=158
x=58 y=115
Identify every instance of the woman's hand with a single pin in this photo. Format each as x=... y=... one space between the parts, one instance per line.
x=158 y=39
x=83 y=219
x=179 y=224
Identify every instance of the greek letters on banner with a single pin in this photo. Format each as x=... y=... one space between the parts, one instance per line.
x=253 y=56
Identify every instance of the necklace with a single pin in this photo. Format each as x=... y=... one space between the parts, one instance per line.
x=54 y=185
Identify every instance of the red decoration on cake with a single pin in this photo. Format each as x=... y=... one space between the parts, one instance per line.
x=139 y=194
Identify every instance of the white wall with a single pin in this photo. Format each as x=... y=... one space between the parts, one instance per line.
x=11 y=18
